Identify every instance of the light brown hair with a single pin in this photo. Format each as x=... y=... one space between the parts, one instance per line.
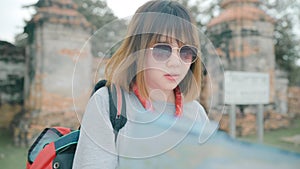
x=152 y=21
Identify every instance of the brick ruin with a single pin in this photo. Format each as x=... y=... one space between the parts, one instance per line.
x=55 y=92
x=12 y=67
x=294 y=100
x=243 y=37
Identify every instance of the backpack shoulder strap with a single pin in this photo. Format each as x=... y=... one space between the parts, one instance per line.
x=117 y=108
x=98 y=85
x=117 y=105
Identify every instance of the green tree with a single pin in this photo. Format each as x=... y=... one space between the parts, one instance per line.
x=107 y=28
x=95 y=11
x=287 y=51
x=202 y=10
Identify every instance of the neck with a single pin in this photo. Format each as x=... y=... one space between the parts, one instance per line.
x=176 y=96
x=162 y=95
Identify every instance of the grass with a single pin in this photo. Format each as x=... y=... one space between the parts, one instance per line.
x=273 y=138
x=11 y=157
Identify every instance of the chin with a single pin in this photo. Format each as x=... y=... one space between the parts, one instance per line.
x=170 y=87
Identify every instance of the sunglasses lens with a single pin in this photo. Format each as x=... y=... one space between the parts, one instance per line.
x=188 y=54
x=161 y=52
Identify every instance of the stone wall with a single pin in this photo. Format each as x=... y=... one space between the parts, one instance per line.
x=294 y=101
x=8 y=113
x=59 y=80
x=246 y=124
x=281 y=92
x=243 y=47
x=243 y=41
x=12 y=68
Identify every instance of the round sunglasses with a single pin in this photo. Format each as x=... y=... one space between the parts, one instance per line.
x=161 y=52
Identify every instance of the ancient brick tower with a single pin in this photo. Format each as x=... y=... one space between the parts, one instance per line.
x=12 y=66
x=57 y=34
x=243 y=37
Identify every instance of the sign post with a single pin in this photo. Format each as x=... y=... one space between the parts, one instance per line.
x=260 y=123
x=232 y=118
x=247 y=88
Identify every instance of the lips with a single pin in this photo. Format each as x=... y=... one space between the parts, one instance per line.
x=172 y=77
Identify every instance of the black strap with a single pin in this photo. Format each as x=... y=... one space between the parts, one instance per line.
x=117 y=122
x=98 y=85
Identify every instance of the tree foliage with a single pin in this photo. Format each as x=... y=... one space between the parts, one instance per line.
x=95 y=11
x=105 y=33
x=202 y=10
x=287 y=51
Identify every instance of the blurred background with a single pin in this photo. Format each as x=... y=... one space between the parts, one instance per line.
x=52 y=52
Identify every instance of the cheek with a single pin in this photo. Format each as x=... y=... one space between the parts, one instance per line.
x=149 y=62
x=149 y=68
x=186 y=68
x=151 y=78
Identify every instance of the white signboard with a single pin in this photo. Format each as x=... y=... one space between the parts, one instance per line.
x=246 y=88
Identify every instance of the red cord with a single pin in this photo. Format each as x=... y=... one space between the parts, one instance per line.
x=148 y=106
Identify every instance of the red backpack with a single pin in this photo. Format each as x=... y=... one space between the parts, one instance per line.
x=55 y=147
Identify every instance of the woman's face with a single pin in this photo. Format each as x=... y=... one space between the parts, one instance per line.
x=165 y=75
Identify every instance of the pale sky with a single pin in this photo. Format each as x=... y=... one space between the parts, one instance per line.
x=12 y=14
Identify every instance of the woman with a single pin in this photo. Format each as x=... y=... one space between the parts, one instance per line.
x=158 y=65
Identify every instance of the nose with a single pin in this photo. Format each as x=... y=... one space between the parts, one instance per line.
x=174 y=59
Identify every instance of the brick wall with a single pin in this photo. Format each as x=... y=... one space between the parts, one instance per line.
x=8 y=112
x=246 y=124
x=59 y=88
x=12 y=68
x=294 y=101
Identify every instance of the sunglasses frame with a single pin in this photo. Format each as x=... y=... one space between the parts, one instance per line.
x=178 y=49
